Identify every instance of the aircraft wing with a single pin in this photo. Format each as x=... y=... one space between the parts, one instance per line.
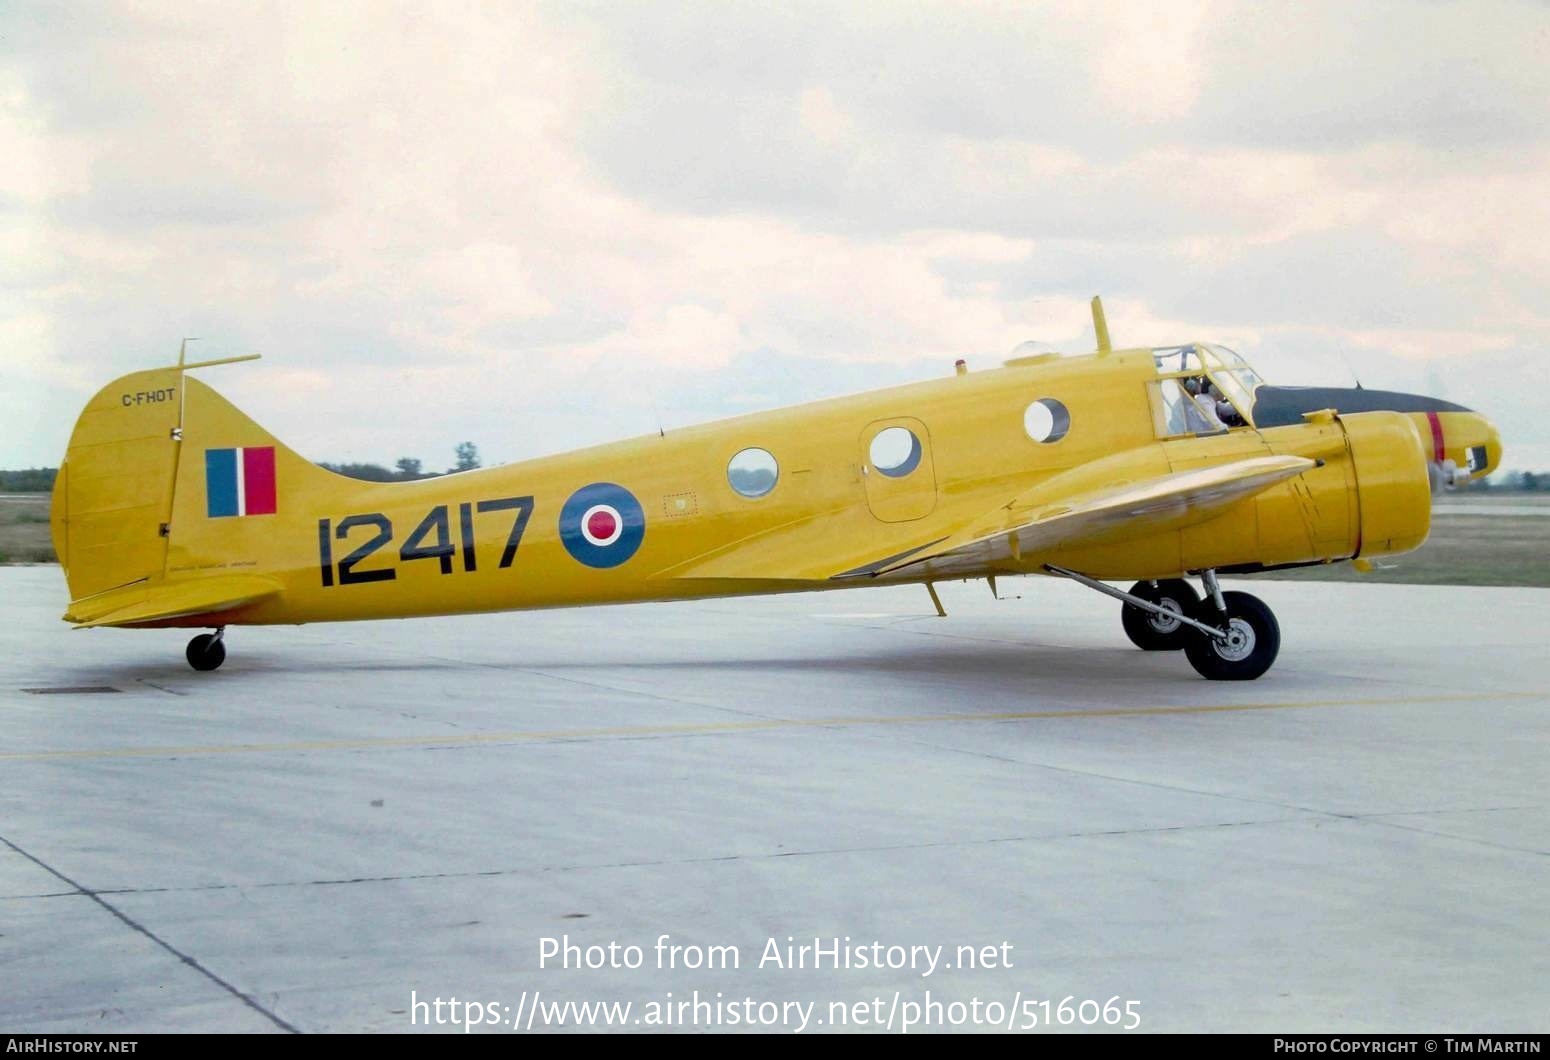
x=141 y=602
x=825 y=547
x=1031 y=524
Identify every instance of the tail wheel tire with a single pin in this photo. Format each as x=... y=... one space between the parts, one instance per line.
x=1253 y=640
x=205 y=652
x=1153 y=632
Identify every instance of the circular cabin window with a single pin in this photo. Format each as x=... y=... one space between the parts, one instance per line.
x=753 y=472
x=1046 y=420
x=895 y=451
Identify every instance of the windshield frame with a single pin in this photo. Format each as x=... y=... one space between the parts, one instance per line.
x=1224 y=368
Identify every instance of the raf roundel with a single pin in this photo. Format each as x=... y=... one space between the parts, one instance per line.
x=602 y=525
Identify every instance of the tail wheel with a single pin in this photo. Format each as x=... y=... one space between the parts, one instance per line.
x=1153 y=632
x=1253 y=640
x=205 y=652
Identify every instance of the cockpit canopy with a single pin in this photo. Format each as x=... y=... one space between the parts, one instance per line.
x=1202 y=389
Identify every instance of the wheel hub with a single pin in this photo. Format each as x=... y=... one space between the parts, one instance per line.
x=1166 y=623
x=1238 y=644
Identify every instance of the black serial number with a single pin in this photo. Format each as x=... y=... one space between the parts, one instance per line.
x=432 y=539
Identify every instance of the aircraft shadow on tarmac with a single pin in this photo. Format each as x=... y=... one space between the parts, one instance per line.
x=974 y=664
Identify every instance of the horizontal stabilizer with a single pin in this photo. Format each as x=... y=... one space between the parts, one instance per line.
x=143 y=603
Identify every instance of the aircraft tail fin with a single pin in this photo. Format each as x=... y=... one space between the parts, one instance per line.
x=113 y=496
x=165 y=484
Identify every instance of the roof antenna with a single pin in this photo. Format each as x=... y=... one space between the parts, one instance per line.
x=1347 y=362
x=1101 y=326
x=183 y=358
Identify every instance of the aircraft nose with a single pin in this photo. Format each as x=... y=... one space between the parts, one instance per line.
x=1478 y=446
x=1464 y=444
x=1493 y=448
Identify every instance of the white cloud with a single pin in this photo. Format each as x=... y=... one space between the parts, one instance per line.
x=1431 y=345
x=398 y=204
x=686 y=336
x=1151 y=65
x=822 y=117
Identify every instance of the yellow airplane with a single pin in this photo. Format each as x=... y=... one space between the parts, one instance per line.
x=172 y=508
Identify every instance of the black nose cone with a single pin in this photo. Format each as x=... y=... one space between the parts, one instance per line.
x=1277 y=406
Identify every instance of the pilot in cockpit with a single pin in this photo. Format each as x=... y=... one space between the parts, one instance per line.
x=1213 y=403
x=1224 y=409
x=1198 y=387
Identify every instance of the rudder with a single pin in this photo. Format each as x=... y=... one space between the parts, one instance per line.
x=114 y=495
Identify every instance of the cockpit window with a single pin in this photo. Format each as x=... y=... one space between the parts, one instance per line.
x=1237 y=380
x=1183 y=413
x=1211 y=380
x=1172 y=359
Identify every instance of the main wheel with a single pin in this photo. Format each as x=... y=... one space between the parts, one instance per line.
x=1252 y=643
x=1153 y=632
x=205 y=652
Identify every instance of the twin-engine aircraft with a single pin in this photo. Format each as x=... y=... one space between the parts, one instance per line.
x=172 y=508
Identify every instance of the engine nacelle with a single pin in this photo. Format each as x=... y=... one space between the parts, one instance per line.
x=1393 y=489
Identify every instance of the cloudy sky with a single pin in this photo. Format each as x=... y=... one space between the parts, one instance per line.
x=542 y=226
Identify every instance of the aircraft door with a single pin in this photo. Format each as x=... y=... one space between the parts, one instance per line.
x=897 y=468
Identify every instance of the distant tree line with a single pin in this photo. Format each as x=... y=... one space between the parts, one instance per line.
x=32 y=480
x=407 y=469
x=1514 y=482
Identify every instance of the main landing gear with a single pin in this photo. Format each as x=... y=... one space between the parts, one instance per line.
x=206 y=652
x=1227 y=636
x=1160 y=630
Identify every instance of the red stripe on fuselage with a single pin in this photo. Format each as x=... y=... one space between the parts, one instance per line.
x=1438 y=451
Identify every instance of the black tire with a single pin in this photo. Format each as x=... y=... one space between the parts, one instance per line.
x=205 y=652
x=1151 y=632
x=1255 y=642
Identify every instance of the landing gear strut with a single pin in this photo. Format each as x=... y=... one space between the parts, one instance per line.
x=1227 y=636
x=206 y=652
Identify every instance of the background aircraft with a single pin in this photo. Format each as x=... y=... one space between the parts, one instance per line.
x=174 y=509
